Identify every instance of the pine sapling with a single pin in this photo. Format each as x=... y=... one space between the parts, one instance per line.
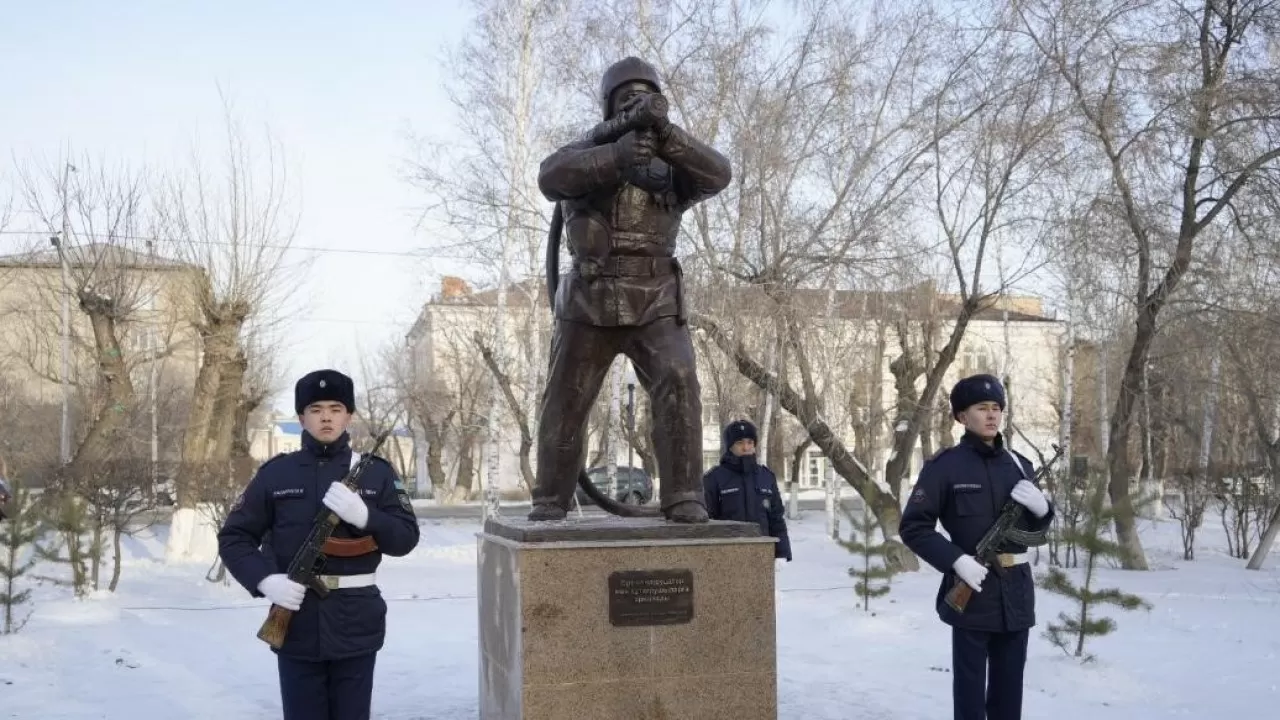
x=18 y=532
x=871 y=581
x=1084 y=623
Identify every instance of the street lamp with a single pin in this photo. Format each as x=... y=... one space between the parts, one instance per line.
x=629 y=377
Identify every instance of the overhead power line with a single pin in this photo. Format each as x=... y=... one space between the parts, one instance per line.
x=426 y=253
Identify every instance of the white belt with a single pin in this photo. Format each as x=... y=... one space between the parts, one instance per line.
x=1011 y=559
x=342 y=582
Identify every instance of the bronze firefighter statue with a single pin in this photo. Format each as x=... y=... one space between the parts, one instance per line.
x=620 y=193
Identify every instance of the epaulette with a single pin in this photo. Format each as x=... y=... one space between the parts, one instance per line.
x=940 y=452
x=273 y=459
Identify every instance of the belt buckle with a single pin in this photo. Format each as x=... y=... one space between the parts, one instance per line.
x=589 y=269
x=331 y=581
x=1006 y=559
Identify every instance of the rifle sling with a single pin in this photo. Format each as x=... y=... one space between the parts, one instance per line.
x=349 y=547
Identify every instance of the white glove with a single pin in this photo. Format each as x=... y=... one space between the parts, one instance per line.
x=1030 y=497
x=282 y=591
x=970 y=571
x=347 y=505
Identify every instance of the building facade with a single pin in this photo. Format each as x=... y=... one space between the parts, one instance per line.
x=851 y=343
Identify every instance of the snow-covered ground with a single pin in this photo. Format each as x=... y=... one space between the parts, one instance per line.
x=170 y=646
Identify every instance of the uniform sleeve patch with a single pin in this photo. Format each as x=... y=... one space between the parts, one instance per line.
x=405 y=502
x=918 y=495
x=239 y=503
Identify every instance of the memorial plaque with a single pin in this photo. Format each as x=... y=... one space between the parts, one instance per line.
x=650 y=597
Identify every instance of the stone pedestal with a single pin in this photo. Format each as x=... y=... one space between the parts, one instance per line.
x=613 y=618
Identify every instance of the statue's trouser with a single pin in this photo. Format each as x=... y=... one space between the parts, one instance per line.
x=581 y=354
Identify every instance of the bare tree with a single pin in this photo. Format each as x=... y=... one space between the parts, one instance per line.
x=381 y=406
x=485 y=188
x=233 y=222
x=975 y=124
x=98 y=216
x=255 y=376
x=105 y=277
x=1167 y=94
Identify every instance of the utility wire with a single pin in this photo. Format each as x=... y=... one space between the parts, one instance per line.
x=421 y=254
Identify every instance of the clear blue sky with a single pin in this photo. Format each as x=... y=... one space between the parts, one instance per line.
x=340 y=84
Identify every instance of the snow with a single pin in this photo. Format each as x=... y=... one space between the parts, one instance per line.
x=171 y=645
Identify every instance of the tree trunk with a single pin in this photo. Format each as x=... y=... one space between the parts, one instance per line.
x=466 y=463
x=882 y=504
x=906 y=431
x=115 y=558
x=119 y=397
x=513 y=405
x=1132 y=556
x=219 y=337
x=95 y=554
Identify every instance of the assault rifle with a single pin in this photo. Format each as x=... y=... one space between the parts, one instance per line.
x=307 y=562
x=1001 y=531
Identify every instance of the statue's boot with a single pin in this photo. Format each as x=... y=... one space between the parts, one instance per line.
x=688 y=511
x=547 y=511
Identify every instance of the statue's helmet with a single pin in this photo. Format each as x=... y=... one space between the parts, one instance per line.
x=628 y=69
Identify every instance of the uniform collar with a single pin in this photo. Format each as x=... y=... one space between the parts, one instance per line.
x=315 y=448
x=981 y=447
x=737 y=463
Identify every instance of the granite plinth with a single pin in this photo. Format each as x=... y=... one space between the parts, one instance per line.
x=636 y=618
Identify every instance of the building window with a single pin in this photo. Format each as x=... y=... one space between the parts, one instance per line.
x=975 y=361
x=711 y=414
x=817 y=464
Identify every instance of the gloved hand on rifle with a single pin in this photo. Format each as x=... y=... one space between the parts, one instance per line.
x=282 y=591
x=347 y=505
x=970 y=571
x=1026 y=494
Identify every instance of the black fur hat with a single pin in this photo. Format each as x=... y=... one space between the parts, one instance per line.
x=738 y=430
x=975 y=389
x=324 y=385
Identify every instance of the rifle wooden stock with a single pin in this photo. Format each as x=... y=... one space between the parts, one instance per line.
x=276 y=626
x=959 y=595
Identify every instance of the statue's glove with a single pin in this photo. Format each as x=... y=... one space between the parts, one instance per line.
x=635 y=150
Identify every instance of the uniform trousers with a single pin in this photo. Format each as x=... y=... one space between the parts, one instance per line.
x=327 y=690
x=974 y=654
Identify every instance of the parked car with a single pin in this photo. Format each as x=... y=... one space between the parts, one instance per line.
x=635 y=487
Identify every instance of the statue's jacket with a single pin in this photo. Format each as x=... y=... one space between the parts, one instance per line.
x=621 y=226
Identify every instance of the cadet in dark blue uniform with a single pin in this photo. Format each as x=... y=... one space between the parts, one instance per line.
x=965 y=486
x=327 y=659
x=741 y=489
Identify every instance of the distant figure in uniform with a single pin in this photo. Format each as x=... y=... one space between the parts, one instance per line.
x=742 y=489
x=327 y=659
x=965 y=486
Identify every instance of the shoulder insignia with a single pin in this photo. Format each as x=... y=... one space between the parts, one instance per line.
x=937 y=455
x=273 y=459
x=239 y=503
x=918 y=495
x=403 y=496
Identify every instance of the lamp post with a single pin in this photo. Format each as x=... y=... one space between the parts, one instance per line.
x=64 y=439
x=630 y=379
